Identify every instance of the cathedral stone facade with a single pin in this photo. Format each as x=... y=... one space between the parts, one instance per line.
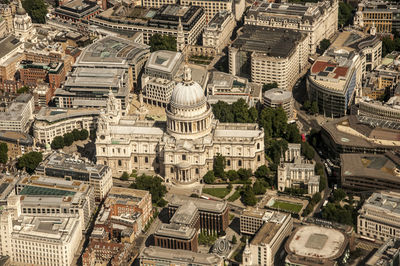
x=181 y=149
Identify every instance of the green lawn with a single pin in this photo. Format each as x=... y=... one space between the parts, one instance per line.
x=216 y=192
x=234 y=196
x=291 y=207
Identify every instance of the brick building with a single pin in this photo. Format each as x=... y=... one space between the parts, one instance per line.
x=176 y=236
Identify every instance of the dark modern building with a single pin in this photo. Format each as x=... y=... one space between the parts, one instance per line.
x=214 y=215
x=176 y=236
x=77 y=10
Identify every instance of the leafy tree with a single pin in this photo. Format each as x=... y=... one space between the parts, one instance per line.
x=262 y=172
x=269 y=86
x=316 y=198
x=319 y=170
x=36 y=9
x=68 y=139
x=276 y=149
x=83 y=134
x=57 y=143
x=244 y=174
x=76 y=133
x=314 y=108
x=209 y=177
x=292 y=134
x=29 y=161
x=339 y=194
x=124 y=176
x=229 y=187
x=232 y=175
x=248 y=196
x=219 y=166
x=324 y=44
x=259 y=188
x=154 y=185
x=345 y=14
x=23 y=89
x=162 y=42
x=222 y=112
x=234 y=240
x=335 y=213
x=3 y=153
x=274 y=122
x=307 y=150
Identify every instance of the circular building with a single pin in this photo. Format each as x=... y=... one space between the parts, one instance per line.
x=279 y=97
x=316 y=245
x=189 y=116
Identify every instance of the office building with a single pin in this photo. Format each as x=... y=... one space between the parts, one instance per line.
x=157 y=255
x=70 y=168
x=354 y=134
x=219 y=30
x=387 y=113
x=297 y=172
x=379 y=216
x=275 y=98
x=163 y=70
x=268 y=55
x=31 y=73
x=370 y=172
x=382 y=15
x=103 y=252
x=214 y=215
x=182 y=148
x=17 y=116
x=110 y=62
x=10 y=56
x=317 y=245
x=40 y=240
x=18 y=143
x=387 y=255
x=158 y=3
x=317 y=21
x=251 y=220
x=212 y=8
x=265 y=245
x=150 y=21
x=229 y=88
x=77 y=10
x=332 y=82
x=128 y=200
x=51 y=122
x=176 y=236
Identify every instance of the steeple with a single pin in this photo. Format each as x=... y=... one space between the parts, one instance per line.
x=247 y=255
x=180 y=38
x=187 y=72
x=372 y=30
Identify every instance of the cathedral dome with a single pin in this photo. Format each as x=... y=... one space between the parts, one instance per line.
x=187 y=93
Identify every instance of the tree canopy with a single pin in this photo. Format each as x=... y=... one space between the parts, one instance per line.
x=3 y=153
x=154 y=185
x=345 y=14
x=162 y=42
x=323 y=45
x=29 y=161
x=248 y=196
x=238 y=112
x=36 y=9
x=219 y=166
x=209 y=177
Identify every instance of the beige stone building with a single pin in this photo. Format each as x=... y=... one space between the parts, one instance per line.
x=212 y=7
x=219 y=30
x=181 y=149
x=379 y=217
x=268 y=55
x=318 y=20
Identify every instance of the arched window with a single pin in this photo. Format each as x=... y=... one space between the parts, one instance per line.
x=228 y=162
x=119 y=163
x=258 y=146
x=240 y=162
x=258 y=158
x=146 y=159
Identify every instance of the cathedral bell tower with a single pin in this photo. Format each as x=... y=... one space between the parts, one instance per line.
x=180 y=39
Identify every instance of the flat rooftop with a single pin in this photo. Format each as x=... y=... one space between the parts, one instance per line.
x=182 y=256
x=388 y=201
x=111 y=51
x=268 y=41
x=8 y=44
x=98 y=78
x=317 y=242
x=52 y=114
x=215 y=206
x=43 y=185
x=164 y=61
x=184 y=214
x=128 y=193
x=16 y=137
x=273 y=223
x=176 y=231
x=278 y=95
